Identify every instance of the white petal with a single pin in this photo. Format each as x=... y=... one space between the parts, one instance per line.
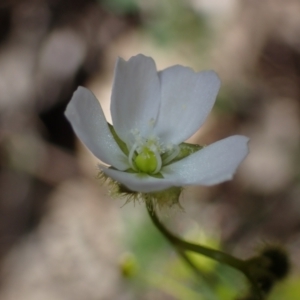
x=88 y=121
x=137 y=182
x=186 y=100
x=135 y=96
x=211 y=165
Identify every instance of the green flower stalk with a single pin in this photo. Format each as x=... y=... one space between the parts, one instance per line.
x=263 y=271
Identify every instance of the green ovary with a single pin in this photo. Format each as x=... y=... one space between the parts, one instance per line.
x=146 y=161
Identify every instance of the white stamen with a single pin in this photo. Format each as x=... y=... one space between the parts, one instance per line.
x=158 y=161
x=151 y=122
x=130 y=156
x=174 y=153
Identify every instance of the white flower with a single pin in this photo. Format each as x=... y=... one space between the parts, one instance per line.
x=153 y=113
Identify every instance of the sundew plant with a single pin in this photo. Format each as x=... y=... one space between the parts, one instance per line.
x=144 y=155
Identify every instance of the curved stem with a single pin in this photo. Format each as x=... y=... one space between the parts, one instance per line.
x=187 y=246
x=181 y=246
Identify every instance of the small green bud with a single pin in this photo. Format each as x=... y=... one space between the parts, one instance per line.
x=279 y=265
x=266 y=269
x=128 y=265
x=146 y=161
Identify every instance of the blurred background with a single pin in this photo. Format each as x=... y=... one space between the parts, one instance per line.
x=61 y=235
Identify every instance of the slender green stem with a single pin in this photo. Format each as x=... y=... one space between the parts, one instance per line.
x=181 y=246
x=187 y=246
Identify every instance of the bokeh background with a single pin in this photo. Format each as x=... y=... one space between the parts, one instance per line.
x=61 y=235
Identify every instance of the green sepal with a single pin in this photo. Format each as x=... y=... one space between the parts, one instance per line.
x=157 y=175
x=129 y=171
x=185 y=149
x=141 y=174
x=160 y=199
x=120 y=143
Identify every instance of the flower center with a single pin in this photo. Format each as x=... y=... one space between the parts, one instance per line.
x=148 y=155
x=145 y=154
x=146 y=161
